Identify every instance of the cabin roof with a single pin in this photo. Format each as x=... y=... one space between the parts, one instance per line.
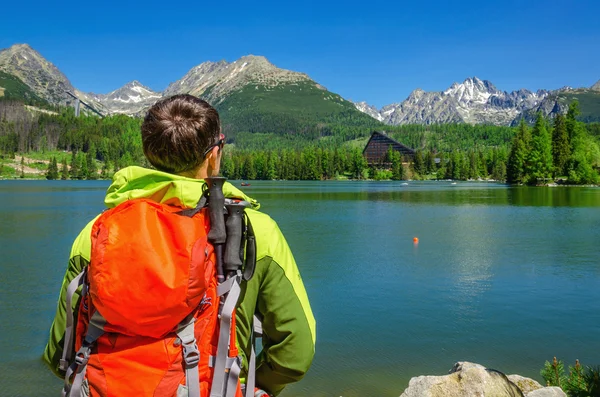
x=377 y=147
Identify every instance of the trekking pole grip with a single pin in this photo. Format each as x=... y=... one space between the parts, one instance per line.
x=216 y=235
x=216 y=205
x=233 y=254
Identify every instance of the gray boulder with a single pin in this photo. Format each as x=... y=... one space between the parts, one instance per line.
x=465 y=380
x=527 y=385
x=552 y=391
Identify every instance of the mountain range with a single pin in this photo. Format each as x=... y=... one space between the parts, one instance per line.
x=251 y=86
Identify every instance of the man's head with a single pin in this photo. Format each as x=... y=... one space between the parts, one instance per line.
x=178 y=131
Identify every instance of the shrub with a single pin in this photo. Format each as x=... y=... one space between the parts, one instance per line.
x=579 y=383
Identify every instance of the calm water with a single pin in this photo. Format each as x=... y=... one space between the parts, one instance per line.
x=506 y=277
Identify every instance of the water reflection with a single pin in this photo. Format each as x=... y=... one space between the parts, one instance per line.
x=433 y=192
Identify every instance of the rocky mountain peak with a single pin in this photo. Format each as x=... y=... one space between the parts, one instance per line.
x=596 y=87
x=472 y=90
x=33 y=69
x=472 y=101
x=134 y=91
x=214 y=80
x=369 y=109
x=132 y=98
x=18 y=48
x=415 y=95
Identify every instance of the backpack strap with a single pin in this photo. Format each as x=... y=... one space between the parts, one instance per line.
x=191 y=356
x=256 y=325
x=223 y=374
x=250 y=259
x=79 y=365
x=69 y=334
x=190 y=212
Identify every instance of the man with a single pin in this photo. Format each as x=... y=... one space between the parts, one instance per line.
x=182 y=139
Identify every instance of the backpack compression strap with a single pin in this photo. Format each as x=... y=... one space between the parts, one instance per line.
x=227 y=369
x=191 y=357
x=79 y=365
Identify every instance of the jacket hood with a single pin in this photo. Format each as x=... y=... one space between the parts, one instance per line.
x=137 y=182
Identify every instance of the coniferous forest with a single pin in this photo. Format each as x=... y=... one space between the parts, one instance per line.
x=89 y=147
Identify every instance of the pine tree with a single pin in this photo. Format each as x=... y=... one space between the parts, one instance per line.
x=105 y=169
x=561 y=150
x=418 y=164
x=585 y=153
x=429 y=162
x=457 y=166
x=74 y=173
x=571 y=121
x=92 y=168
x=515 y=169
x=227 y=167
x=271 y=173
x=398 y=173
x=473 y=166
x=326 y=163
x=52 y=172
x=64 y=171
x=248 y=170
x=539 y=158
x=359 y=164
x=82 y=166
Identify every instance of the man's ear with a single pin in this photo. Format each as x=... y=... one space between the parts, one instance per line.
x=213 y=158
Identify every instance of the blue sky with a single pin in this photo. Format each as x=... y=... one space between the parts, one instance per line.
x=370 y=51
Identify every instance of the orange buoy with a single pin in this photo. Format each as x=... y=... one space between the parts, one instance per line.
x=416 y=240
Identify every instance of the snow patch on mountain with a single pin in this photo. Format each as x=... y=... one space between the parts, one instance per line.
x=133 y=98
x=369 y=109
x=473 y=101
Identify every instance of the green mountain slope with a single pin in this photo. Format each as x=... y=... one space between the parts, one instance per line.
x=12 y=88
x=589 y=103
x=300 y=109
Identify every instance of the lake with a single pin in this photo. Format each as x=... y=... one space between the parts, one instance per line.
x=507 y=277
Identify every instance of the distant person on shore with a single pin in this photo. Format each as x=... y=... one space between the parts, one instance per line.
x=182 y=139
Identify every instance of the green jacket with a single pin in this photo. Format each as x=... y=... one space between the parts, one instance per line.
x=276 y=292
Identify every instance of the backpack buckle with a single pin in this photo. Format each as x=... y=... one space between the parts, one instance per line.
x=83 y=355
x=191 y=354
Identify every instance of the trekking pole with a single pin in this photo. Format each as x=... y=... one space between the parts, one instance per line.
x=216 y=235
x=233 y=246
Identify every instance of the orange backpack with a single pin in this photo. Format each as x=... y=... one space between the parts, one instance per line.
x=153 y=319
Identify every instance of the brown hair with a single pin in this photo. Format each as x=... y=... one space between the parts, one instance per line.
x=177 y=130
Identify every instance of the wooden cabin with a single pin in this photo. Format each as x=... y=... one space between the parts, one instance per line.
x=376 y=149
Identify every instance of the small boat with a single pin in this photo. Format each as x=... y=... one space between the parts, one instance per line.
x=245 y=184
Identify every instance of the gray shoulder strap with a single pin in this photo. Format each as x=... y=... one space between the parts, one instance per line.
x=230 y=290
x=191 y=357
x=79 y=365
x=69 y=330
